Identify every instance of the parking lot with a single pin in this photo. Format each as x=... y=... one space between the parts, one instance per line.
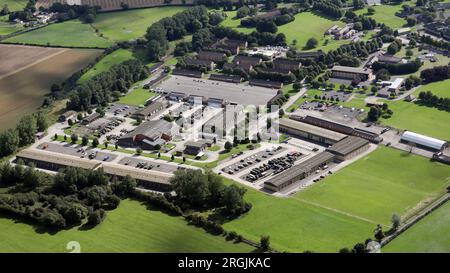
x=148 y=164
x=121 y=110
x=247 y=162
x=76 y=150
x=272 y=167
x=231 y=92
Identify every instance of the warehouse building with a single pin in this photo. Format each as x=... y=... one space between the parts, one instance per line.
x=149 y=179
x=352 y=73
x=298 y=172
x=341 y=128
x=266 y=83
x=90 y=118
x=148 y=111
x=149 y=135
x=348 y=147
x=226 y=78
x=423 y=141
x=309 y=132
x=187 y=73
x=54 y=161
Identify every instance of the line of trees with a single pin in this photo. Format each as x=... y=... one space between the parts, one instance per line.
x=428 y=98
x=437 y=73
x=329 y=8
x=399 y=69
x=101 y=88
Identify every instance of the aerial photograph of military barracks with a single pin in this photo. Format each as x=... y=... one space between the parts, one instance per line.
x=225 y=126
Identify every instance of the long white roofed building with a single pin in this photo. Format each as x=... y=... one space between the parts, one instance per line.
x=424 y=141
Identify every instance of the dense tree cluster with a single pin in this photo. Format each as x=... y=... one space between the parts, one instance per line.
x=173 y=28
x=438 y=73
x=198 y=190
x=394 y=47
x=399 y=69
x=26 y=14
x=23 y=134
x=436 y=43
x=376 y=112
x=70 y=198
x=428 y=98
x=86 y=13
x=100 y=89
x=329 y=7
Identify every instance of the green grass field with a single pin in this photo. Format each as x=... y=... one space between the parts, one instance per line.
x=131 y=24
x=386 y=181
x=137 y=97
x=308 y=25
x=116 y=57
x=232 y=22
x=440 y=89
x=344 y=208
x=6 y=28
x=13 y=5
x=129 y=228
x=71 y=33
x=386 y=14
x=431 y=234
x=296 y=226
x=420 y=119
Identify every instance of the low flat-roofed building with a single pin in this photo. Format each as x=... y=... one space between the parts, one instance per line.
x=266 y=83
x=148 y=111
x=177 y=96
x=187 y=73
x=338 y=127
x=423 y=141
x=226 y=78
x=351 y=73
x=54 y=161
x=309 y=54
x=194 y=147
x=389 y=59
x=285 y=64
x=212 y=56
x=68 y=115
x=90 y=118
x=309 y=131
x=215 y=102
x=396 y=84
x=197 y=63
x=348 y=147
x=149 y=179
x=299 y=171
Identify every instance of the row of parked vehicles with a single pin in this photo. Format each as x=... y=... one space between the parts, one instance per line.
x=111 y=125
x=273 y=166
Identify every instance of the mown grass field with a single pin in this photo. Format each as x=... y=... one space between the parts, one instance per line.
x=309 y=25
x=232 y=22
x=116 y=57
x=440 y=89
x=425 y=120
x=431 y=234
x=129 y=228
x=386 y=14
x=137 y=97
x=386 y=181
x=6 y=27
x=72 y=33
x=13 y=5
x=344 y=208
x=131 y=24
x=296 y=226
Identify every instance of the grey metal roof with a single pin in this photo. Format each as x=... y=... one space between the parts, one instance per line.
x=351 y=69
x=298 y=170
x=347 y=145
x=305 y=127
